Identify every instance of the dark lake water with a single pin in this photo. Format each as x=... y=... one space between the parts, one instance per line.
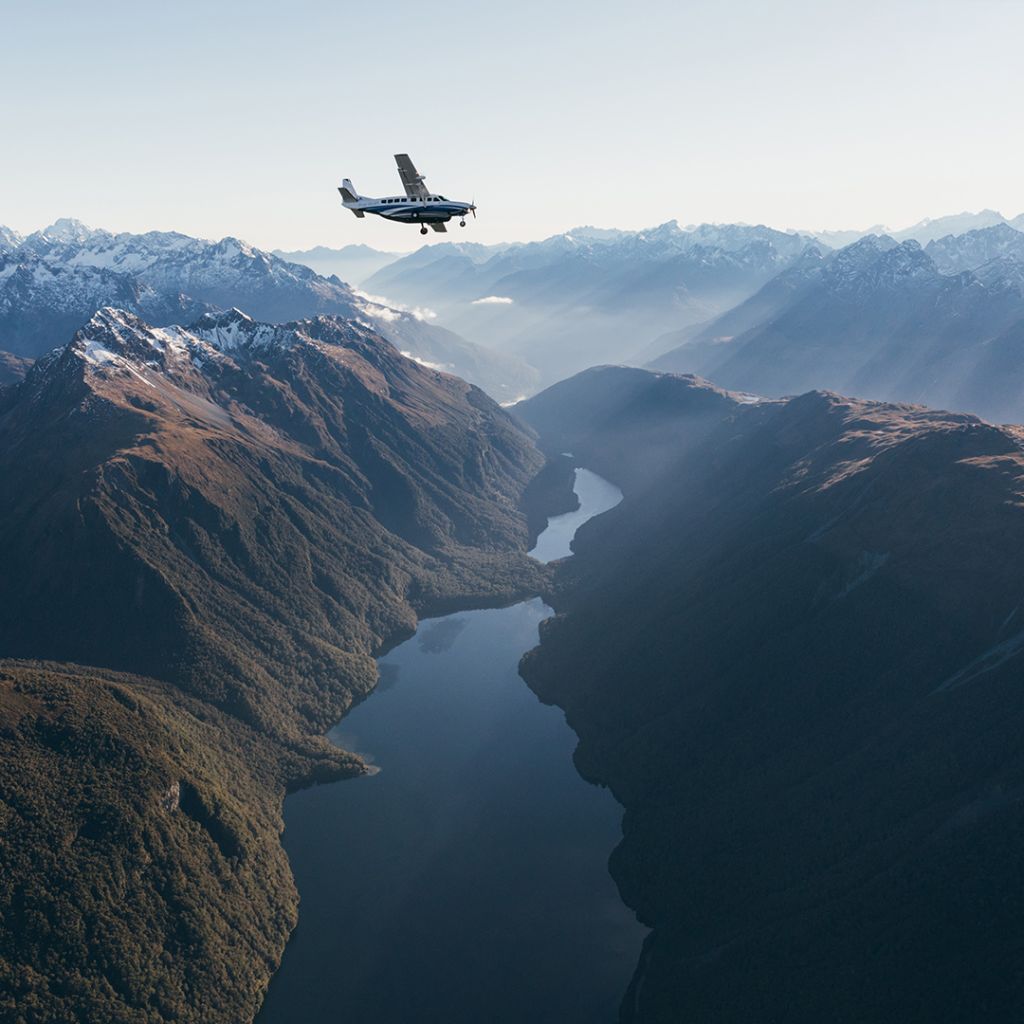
x=467 y=880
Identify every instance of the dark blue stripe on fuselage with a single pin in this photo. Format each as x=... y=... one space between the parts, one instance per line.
x=423 y=213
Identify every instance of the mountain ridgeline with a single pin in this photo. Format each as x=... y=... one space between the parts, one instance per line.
x=230 y=520
x=942 y=325
x=589 y=296
x=52 y=282
x=793 y=652
x=352 y=263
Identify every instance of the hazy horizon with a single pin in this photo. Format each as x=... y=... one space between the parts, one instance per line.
x=242 y=120
x=416 y=240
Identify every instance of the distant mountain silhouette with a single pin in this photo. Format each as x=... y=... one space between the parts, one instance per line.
x=877 y=319
x=588 y=296
x=351 y=263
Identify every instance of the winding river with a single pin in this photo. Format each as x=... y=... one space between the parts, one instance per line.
x=466 y=880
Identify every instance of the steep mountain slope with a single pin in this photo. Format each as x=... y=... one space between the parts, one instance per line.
x=55 y=279
x=697 y=342
x=628 y=424
x=875 y=319
x=12 y=368
x=794 y=653
x=245 y=513
x=141 y=876
x=588 y=296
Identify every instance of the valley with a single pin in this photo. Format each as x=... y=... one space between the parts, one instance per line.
x=229 y=522
x=477 y=889
x=258 y=540
x=512 y=516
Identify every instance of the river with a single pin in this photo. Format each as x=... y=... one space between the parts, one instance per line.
x=466 y=880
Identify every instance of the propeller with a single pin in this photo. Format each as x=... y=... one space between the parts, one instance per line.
x=472 y=207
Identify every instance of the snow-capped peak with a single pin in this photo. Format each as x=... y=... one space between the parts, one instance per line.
x=67 y=229
x=9 y=239
x=116 y=340
x=124 y=334
x=233 y=330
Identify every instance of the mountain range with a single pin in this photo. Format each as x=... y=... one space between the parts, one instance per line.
x=940 y=325
x=928 y=230
x=52 y=281
x=595 y=295
x=588 y=296
x=793 y=652
x=207 y=534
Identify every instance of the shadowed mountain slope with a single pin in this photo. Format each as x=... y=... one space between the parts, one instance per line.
x=794 y=653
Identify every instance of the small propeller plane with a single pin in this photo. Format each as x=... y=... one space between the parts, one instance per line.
x=417 y=206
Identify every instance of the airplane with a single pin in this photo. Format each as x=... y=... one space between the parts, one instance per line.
x=417 y=206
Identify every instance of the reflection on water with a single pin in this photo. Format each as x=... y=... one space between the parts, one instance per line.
x=466 y=881
x=437 y=635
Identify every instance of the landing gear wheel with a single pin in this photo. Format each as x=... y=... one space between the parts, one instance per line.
x=423 y=231
x=462 y=223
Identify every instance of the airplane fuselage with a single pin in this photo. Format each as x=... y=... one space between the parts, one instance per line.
x=408 y=210
x=417 y=206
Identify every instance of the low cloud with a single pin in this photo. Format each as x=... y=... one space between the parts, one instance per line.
x=443 y=367
x=385 y=309
x=493 y=300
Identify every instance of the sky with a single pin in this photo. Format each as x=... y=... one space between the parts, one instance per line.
x=242 y=118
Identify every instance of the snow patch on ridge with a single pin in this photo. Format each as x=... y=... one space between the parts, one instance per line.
x=97 y=354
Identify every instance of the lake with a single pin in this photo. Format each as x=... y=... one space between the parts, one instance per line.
x=466 y=880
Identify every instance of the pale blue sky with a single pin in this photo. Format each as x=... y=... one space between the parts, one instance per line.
x=241 y=118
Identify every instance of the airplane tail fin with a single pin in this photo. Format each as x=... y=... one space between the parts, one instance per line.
x=350 y=195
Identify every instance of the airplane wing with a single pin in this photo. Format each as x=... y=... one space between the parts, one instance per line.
x=437 y=226
x=411 y=178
